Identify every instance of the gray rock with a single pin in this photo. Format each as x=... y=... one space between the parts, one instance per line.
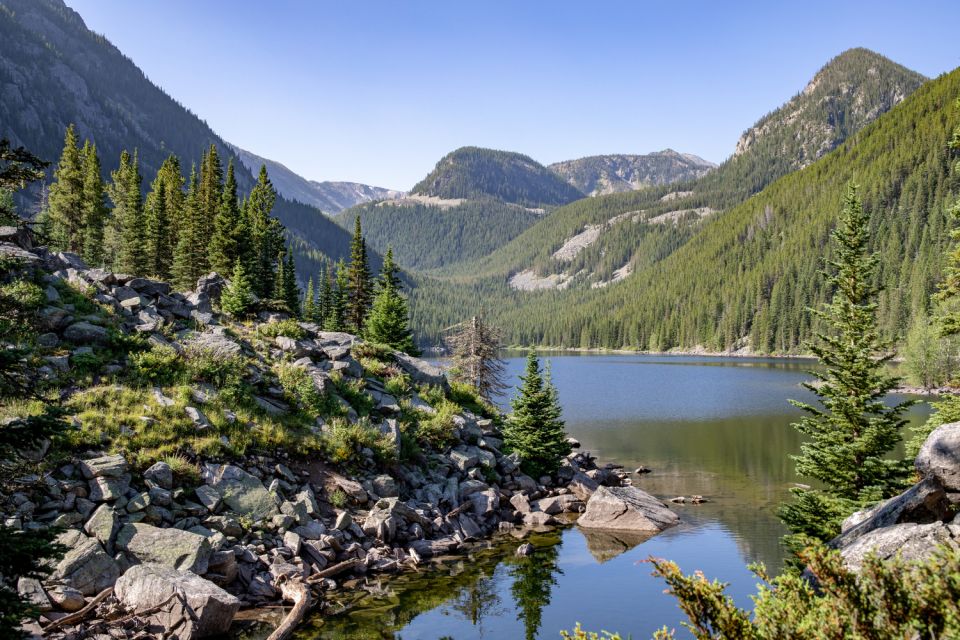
x=198 y=418
x=923 y=502
x=208 y=497
x=912 y=541
x=626 y=509
x=86 y=566
x=242 y=493
x=524 y=550
x=417 y=404
x=32 y=591
x=86 y=333
x=385 y=486
x=103 y=525
x=105 y=466
x=103 y=489
x=391 y=428
x=343 y=522
x=520 y=503
x=939 y=457
x=148 y=586
x=160 y=473
x=174 y=548
x=463 y=460
x=67 y=598
x=148 y=287
x=215 y=344
x=565 y=503
x=421 y=371
x=583 y=486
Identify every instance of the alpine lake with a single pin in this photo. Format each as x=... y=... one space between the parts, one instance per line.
x=718 y=427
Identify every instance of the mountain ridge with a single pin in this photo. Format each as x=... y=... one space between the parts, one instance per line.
x=618 y=172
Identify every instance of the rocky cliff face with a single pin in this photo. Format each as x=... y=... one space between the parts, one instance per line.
x=600 y=175
x=312 y=457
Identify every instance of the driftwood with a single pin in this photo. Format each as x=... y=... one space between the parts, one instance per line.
x=340 y=567
x=295 y=591
x=73 y=618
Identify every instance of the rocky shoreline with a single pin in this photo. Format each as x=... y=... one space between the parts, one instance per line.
x=151 y=552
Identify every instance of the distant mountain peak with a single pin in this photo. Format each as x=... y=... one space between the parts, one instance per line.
x=614 y=173
x=476 y=173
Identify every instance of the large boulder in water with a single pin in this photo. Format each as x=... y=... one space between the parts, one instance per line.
x=939 y=457
x=172 y=596
x=626 y=509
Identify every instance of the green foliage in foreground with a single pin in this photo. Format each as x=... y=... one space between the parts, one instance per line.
x=885 y=600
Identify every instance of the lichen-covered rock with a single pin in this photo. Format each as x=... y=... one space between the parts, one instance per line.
x=104 y=467
x=86 y=333
x=144 y=543
x=148 y=586
x=86 y=566
x=939 y=457
x=242 y=493
x=102 y=525
x=912 y=541
x=626 y=509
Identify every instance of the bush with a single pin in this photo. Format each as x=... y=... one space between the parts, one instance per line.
x=580 y=634
x=437 y=430
x=160 y=366
x=344 y=442
x=289 y=328
x=204 y=365
x=300 y=390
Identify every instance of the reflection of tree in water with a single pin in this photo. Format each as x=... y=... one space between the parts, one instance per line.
x=533 y=579
x=477 y=601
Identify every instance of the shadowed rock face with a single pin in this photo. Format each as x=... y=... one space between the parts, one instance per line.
x=939 y=457
x=607 y=545
x=626 y=509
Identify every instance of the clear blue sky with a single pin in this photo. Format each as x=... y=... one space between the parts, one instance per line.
x=377 y=92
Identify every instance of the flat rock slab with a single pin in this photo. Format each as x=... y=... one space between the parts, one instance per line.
x=626 y=509
x=173 y=548
x=85 y=567
x=242 y=493
x=147 y=586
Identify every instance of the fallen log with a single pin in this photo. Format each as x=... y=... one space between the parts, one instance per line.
x=73 y=618
x=297 y=592
x=340 y=567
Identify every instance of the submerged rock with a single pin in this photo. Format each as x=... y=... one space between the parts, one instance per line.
x=626 y=509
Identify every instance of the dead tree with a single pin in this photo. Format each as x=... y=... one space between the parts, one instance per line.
x=475 y=347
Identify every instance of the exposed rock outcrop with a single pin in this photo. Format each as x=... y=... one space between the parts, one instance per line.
x=626 y=509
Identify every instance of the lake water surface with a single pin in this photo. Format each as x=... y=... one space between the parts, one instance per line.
x=716 y=427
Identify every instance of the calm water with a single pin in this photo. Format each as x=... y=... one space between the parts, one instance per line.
x=717 y=427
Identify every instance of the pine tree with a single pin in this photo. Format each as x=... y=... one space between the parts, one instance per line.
x=185 y=272
x=535 y=429
x=475 y=347
x=337 y=313
x=94 y=208
x=225 y=241
x=164 y=213
x=359 y=281
x=325 y=298
x=310 y=303
x=128 y=220
x=65 y=205
x=285 y=287
x=850 y=437
x=18 y=167
x=389 y=319
x=237 y=298
x=265 y=235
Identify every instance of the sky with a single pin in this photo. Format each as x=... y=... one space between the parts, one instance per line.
x=378 y=92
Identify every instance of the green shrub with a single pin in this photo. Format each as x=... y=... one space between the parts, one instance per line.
x=204 y=365
x=399 y=385
x=580 y=634
x=353 y=392
x=339 y=498
x=29 y=294
x=436 y=431
x=343 y=443
x=159 y=366
x=289 y=328
x=300 y=390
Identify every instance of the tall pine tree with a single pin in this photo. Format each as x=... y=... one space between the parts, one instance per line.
x=94 y=207
x=164 y=213
x=389 y=320
x=189 y=245
x=128 y=220
x=265 y=236
x=359 y=281
x=65 y=204
x=850 y=437
x=310 y=302
x=336 y=319
x=225 y=238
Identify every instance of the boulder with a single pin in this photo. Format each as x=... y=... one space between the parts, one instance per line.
x=583 y=486
x=939 y=457
x=626 y=509
x=421 y=371
x=85 y=567
x=925 y=501
x=912 y=541
x=102 y=525
x=86 y=333
x=215 y=344
x=385 y=486
x=148 y=586
x=565 y=503
x=103 y=467
x=144 y=543
x=104 y=489
x=148 y=287
x=241 y=492
x=160 y=473
x=31 y=590
x=211 y=285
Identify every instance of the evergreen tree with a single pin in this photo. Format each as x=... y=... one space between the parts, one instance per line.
x=286 y=289
x=94 y=208
x=225 y=241
x=359 y=281
x=535 y=429
x=850 y=437
x=128 y=220
x=389 y=320
x=265 y=235
x=310 y=303
x=185 y=271
x=65 y=210
x=325 y=299
x=336 y=319
x=18 y=167
x=475 y=347
x=237 y=298
x=164 y=213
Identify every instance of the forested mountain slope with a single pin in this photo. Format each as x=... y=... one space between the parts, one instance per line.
x=745 y=278
x=615 y=173
x=473 y=173
x=54 y=71
x=330 y=197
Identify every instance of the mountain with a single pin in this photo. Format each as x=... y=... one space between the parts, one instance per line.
x=329 y=197
x=600 y=175
x=587 y=267
x=54 y=71
x=473 y=173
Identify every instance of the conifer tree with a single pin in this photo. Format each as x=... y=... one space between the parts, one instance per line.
x=65 y=204
x=237 y=297
x=389 y=321
x=265 y=234
x=310 y=302
x=128 y=219
x=359 y=281
x=224 y=241
x=286 y=289
x=475 y=346
x=535 y=429
x=185 y=272
x=336 y=319
x=850 y=437
x=163 y=212
x=94 y=208
x=325 y=298
x=18 y=167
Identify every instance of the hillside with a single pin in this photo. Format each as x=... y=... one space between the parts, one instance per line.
x=744 y=277
x=600 y=175
x=427 y=234
x=54 y=71
x=473 y=173
x=329 y=197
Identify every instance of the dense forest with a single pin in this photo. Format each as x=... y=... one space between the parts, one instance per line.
x=745 y=277
x=473 y=173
